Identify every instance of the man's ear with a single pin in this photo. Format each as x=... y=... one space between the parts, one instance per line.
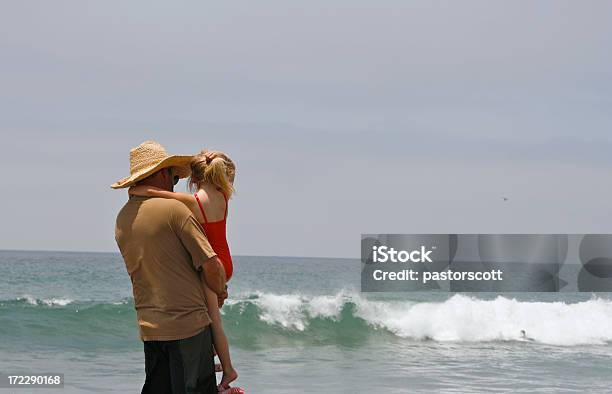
x=165 y=173
x=169 y=178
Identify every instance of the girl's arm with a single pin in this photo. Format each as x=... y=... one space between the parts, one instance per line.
x=152 y=191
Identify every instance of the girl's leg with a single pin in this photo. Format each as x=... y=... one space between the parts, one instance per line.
x=219 y=339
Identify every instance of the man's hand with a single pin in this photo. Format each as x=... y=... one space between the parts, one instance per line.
x=214 y=276
x=222 y=297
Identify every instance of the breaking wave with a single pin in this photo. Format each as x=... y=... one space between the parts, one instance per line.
x=461 y=318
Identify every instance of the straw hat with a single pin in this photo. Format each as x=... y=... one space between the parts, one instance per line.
x=150 y=157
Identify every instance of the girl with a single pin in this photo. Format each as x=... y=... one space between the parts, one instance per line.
x=212 y=179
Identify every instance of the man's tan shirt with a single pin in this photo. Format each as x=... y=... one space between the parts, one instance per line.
x=164 y=247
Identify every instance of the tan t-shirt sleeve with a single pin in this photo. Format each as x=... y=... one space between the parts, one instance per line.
x=193 y=238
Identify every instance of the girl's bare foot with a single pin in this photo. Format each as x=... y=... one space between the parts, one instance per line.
x=229 y=375
x=232 y=390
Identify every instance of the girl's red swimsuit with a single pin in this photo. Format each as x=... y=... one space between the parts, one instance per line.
x=215 y=232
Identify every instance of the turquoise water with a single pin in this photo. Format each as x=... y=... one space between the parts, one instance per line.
x=300 y=325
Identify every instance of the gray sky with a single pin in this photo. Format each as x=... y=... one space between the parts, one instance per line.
x=344 y=117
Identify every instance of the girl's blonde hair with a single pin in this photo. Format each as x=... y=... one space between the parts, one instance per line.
x=215 y=167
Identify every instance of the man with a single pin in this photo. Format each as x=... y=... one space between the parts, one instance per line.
x=168 y=259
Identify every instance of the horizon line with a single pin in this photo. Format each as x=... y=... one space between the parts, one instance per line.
x=118 y=253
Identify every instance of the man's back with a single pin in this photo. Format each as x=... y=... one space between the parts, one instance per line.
x=163 y=248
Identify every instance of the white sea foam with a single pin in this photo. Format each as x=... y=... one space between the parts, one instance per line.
x=460 y=318
x=295 y=311
x=47 y=301
x=463 y=318
x=30 y=300
x=284 y=310
x=327 y=306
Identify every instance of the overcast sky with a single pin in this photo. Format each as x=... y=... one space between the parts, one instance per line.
x=344 y=117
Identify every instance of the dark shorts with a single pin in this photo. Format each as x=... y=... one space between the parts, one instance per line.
x=180 y=366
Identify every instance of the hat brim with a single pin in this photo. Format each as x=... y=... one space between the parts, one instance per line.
x=181 y=163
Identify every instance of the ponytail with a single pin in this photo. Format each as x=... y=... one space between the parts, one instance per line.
x=216 y=172
x=214 y=167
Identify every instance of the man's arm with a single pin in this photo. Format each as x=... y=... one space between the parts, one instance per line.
x=203 y=257
x=213 y=276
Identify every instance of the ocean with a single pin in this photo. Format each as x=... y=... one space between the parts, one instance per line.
x=301 y=325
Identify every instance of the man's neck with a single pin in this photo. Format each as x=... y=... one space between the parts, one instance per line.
x=155 y=184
